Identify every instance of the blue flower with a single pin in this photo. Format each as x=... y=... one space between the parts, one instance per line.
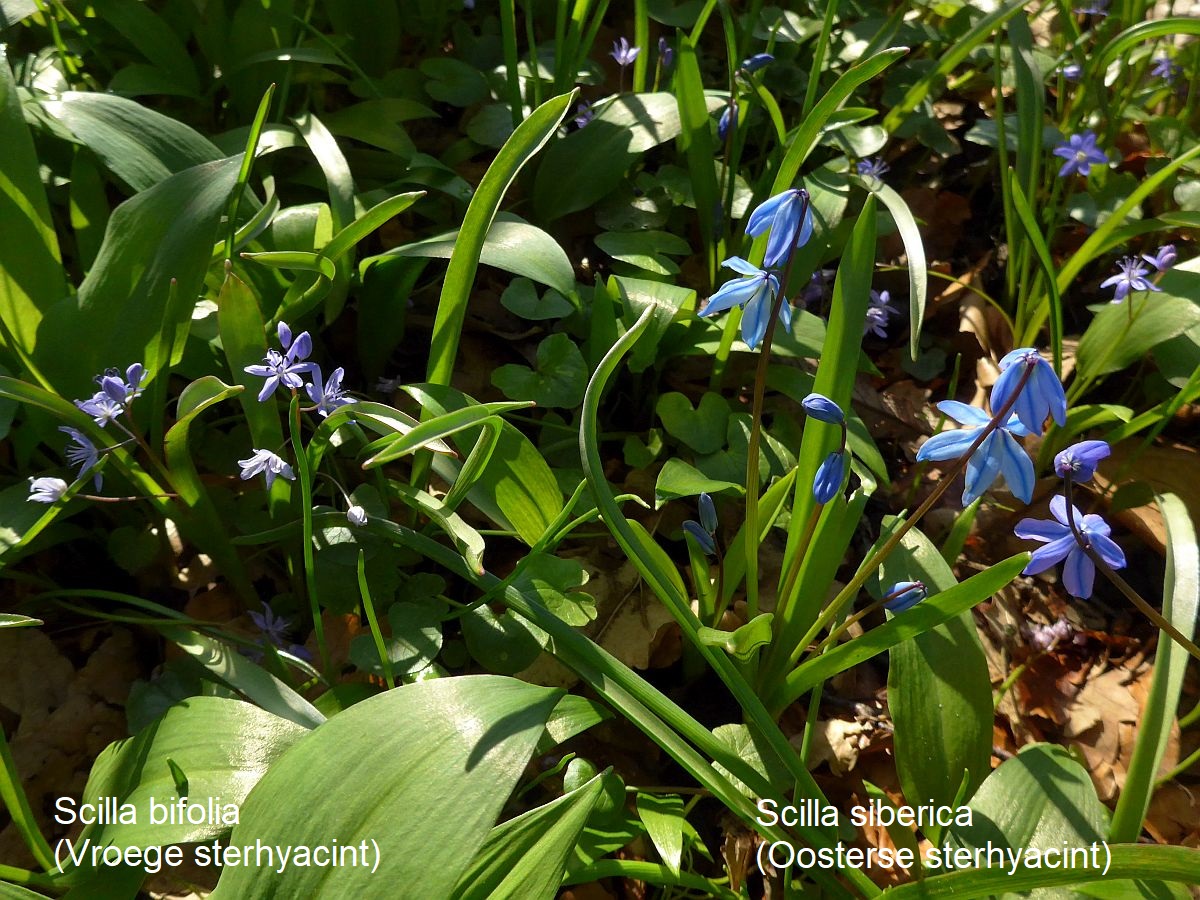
x=623 y=53
x=829 y=477
x=666 y=54
x=1165 y=69
x=875 y=167
x=267 y=464
x=817 y=288
x=101 y=407
x=1043 y=394
x=904 y=595
x=284 y=368
x=1072 y=71
x=1081 y=153
x=756 y=62
x=708 y=513
x=821 y=408
x=583 y=114
x=789 y=216
x=83 y=453
x=1060 y=544
x=274 y=628
x=1080 y=460
x=703 y=538
x=998 y=454
x=728 y=120
x=122 y=390
x=1095 y=8
x=755 y=293
x=1131 y=278
x=356 y=515
x=328 y=395
x=46 y=490
x=1163 y=259
x=878 y=314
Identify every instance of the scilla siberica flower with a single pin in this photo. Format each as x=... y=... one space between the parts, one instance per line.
x=284 y=368
x=704 y=531
x=1043 y=394
x=828 y=480
x=666 y=54
x=904 y=595
x=790 y=219
x=821 y=408
x=1079 y=572
x=756 y=62
x=755 y=293
x=1132 y=277
x=1081 y=153
x=728 y=120
x=998 y=454
x=1079 y=461
x=267 y=464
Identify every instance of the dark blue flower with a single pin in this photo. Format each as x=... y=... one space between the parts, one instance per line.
x=328 y=395
x=1081 y=153
x=1060 y=544
x=703 y=538
x=999 y=454
x=1132 y=277
x=708 y=513
x=829 y=477
x=904 y=595
x=728 y=120
x=817 y=288
x=874 y=167
x=666 y=54
x=1080 y=460
x=1043 y=394
x=1163 y=259
x=755 y=293
x=821 y=408
x=790 y=219
x=756 y=62
x=623 y=53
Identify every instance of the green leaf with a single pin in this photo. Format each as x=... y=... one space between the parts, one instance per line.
x=512 y=245
x=31 y=273
x=591 y=163
x=525 y=857
x=530 y=136
x=665 y=299
x=558 y=380
x=1034 y=234
x=1181 y=607
x=914 y=248
x=939 y=690
x=445 y=753
x=503 y=643
x=663 y=816
x=453 y=81
x=154 y=38
x=138 y=145
x=520 y=298
x=240 y=743
x=299 y=260
x=754 y=752
x=678 y=479
x=644 y=249
x=12 y=620
x=427 y=434
x=695 y=137
x=743 y=642
x=574 y=715
x=701 y=427
x=415 y=642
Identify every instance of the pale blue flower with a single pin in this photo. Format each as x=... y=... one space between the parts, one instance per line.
x=267 y=464
x=46 y=490
x=101 y=407
x=755 y=293
x=583 y=114
x=83 y=453
x=999 y=454
x=1080 y=460
x=623 y=53
x=790 y=219
x=328 y=395
x=1163 y=259
x=874 y=167
x=1081 y=153
x=1043 y=394
x=879 y=312
x=1079 y=572
x=828 y=480
x=356 y=515
x=1132 y=277
x=904 y=595
x=1165 y=69
x=284 y=368
x=274 y=628
x=1072 y=71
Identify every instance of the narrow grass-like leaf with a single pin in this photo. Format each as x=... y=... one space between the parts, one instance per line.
x=441 y=427
x=300 y=260
x=1181 y=606
x=466 y=539
x=529 y=137
x=914 y=248
x=1034 y=234
x=1170 y=28
x=695 y=136
x=256 y=127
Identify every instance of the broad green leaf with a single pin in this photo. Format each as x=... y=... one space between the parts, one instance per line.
x=300 y=260
x=751 y=750
x=1181 y=606
x=503 y=642
x=512 y=245
x=645 y=249
x=678 y=479
x=939 y=690
x=414 y=644
x=524 y=858
x=590 y=163
x=573 y=715
x=521 y=299
x=444 y=753
x=466 y=539
x=665 y=299
x=742 y=643
x=140 y=293
x=154 y=38
x=454 y=81
x=138 y=145
x=702 y=428
x=240 y=674
x=31 y=273
x=240 y=743
x=663 y=816
x=530 y=136
x=558 y=380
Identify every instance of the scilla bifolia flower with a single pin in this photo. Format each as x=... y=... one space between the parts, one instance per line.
x=755 y=293
x=267 y=464
x=1132 y=277
x=328 y=395
x=1042 y=396
x=998 y=454
x=790 y=219
x=1081 y=153
x=1163 y=259
x=46 y=489
x=1061 y=545
x=356 y=515
x=284 y=368
x=83 y=453
x=875 y=167
x=623 y=53
x=1078 y=462
x=904 y=595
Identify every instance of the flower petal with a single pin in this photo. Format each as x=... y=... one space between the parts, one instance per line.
x=1016 y=467
x=738 y=292
x=947 y=444
x=1079 y=573
x=982 y=469
x=1050 y=555
x=762 y=217
x=741 y=266
x=1042 y=530
x=1109 y=550
x=964 y=413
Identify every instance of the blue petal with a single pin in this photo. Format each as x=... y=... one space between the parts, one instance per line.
x=1016 y=466
x=1010 y=376
x=982 y=469
x=806 y=226
x=785 y=315
x=947 y=445
x=1041 y=530
x=963 y=413
x=754 y=321
x=1078 y=574
x=1109 y=551
x=738 y=292
x=1094 y=524
x=762 y=217
x=741 y=266
x=829 y=477
x=1050 y=396
x=779 y=243
x=1050 y=555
